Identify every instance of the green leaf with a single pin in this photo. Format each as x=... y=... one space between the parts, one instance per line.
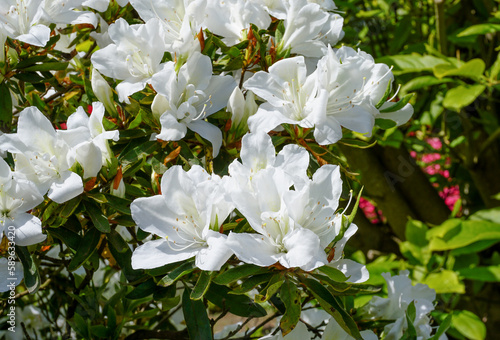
x=411 y=312
x=201 y=286
x=290 y=296
x=479 y=29
x=424 y=81
x=252 y=282
x=411 y=63
x=272 y=288
x=445 y=281
x=333 y=273
x=98 y=219
x=5 y=104
x=472 y=69
x=195 y=314
x=385 y=123
x=461 y=96
x=237 y=273
x=399 y=105
x=240 y=305
x=332 y=307
x=118 y=242
x=184 y=269
x=143 y=290
x=443 y=327
x=50 y=66
x=455 y=233
x=30 y=269
x=86 y=248
x=495 y=68
x=469 y=325
x=487 y=274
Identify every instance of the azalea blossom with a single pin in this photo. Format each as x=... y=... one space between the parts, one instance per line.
x=187 y=217
x=291 y=96
x=88 y=139
x=181 y=21
x=28 y=20
x=303 y=23
x=134 y=57
x=231 y=19
x=43 y=156
x=279 y=238
x=187 y=98
x=401 y=293
x=17 y=196
x=355 y=85
x=258 y=153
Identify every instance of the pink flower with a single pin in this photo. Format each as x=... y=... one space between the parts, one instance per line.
x=435 y=143
x=431 y=157
x=450 y=195
x=413 y=154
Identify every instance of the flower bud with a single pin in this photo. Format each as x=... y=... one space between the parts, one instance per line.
x=241 y=109
x=103 y=92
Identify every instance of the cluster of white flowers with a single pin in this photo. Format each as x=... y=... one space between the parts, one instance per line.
x=294 y=218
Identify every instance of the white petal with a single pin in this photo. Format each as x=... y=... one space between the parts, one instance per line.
x=253 y=248
x=303 y=246
x=67 y=187
x=152 y=215
x=171 y=129
x=157 y=253
x=90 y=158
x=39 y=35
x=216 y=254
x=127 y=88
x=257 y=151
x=209 y=132
x=356 y=272
x=28 y=230
x=400 y=116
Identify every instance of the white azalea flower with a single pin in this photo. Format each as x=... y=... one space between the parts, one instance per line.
x=258 y=153
x=88 y=139
x=42 y=156
x=28 y=20
x=134 y=57
x=181 y=20
x=278 y=238
x=334 y=331
x=187 y=216
x=231 y=19
x=401 y=293
x=190 y=96
x=18 y=195
x=304 y=23
x=291 y=96
x=355 y=85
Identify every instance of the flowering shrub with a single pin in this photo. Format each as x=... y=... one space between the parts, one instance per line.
x=166 y=165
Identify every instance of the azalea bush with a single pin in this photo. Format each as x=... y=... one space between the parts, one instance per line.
x=241 y=170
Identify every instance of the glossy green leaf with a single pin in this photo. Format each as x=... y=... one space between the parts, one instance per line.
x=240 y=305
x=201 y=286
x=487 y=274
x=5 y=104
x=473 y=69
x=184 y=269
x=290 y=296
x=445 y=281
x=479 y=29
x=86 y=248
x=237 y=273
x=410 y=63
x=469 y=325
x=333 y=273
x=195 y=315
x=422 y=82
x=143 y=290
x=98 y=219
x=455 y=234
x=461 y=96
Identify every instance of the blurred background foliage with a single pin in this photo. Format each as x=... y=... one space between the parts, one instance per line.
x=442 y=168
